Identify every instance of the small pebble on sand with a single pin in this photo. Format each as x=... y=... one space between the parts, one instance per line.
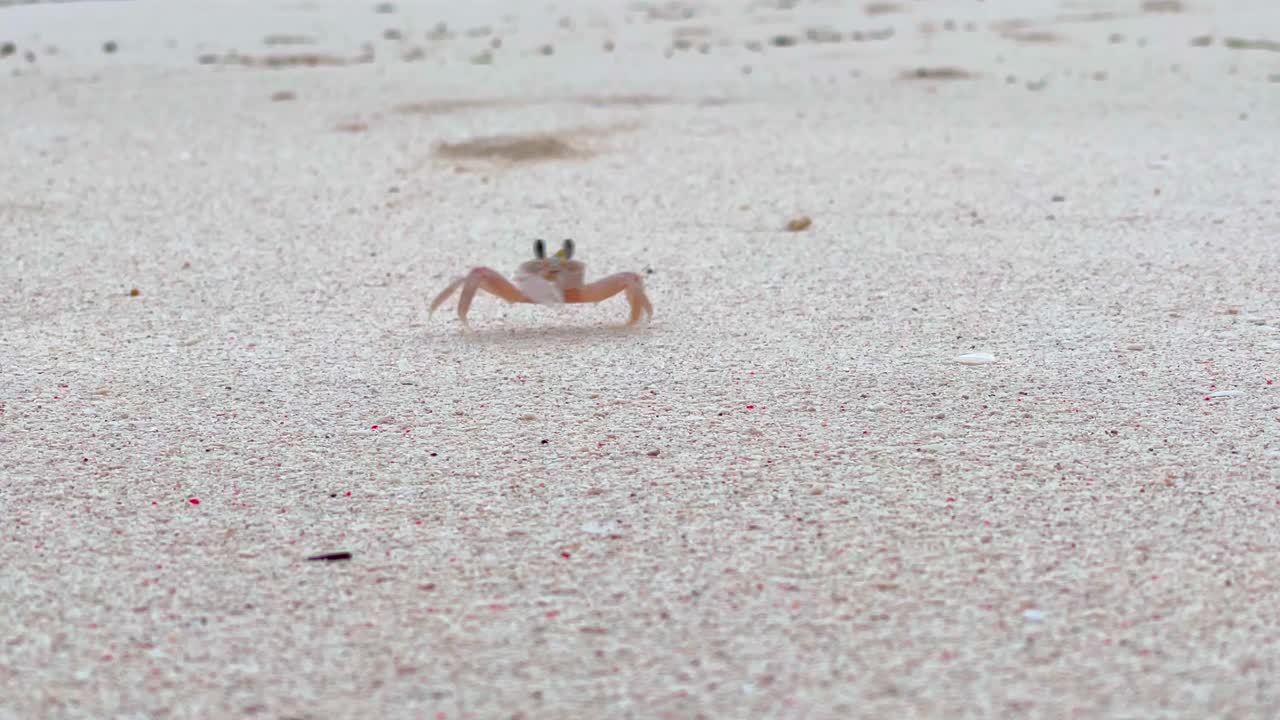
x=977 y=358
x=330 y=557
x=798 y=224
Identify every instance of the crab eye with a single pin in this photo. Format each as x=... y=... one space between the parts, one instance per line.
x=540 y=249
x=567 y=250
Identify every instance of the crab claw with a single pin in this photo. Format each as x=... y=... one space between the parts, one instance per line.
x=539 y=289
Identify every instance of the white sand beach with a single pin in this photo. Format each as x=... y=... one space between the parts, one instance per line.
x=996 y=434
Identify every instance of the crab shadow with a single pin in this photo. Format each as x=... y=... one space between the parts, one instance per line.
x=552 y=334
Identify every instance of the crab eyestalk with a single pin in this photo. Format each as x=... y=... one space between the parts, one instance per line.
x=566 y=252
x=539 y=249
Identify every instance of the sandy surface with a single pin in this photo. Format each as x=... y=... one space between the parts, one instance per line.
x=784 y=498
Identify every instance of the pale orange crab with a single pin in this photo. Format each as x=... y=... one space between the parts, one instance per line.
x=548 y=281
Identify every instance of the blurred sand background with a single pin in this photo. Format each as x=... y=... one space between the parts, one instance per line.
x=785 y=498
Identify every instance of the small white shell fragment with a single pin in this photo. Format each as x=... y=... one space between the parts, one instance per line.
x=977 y=358
x=597 y=528
x=1033 y=615
x=1219 y=394
x=1135 y=346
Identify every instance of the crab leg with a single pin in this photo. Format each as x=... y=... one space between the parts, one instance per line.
x=612 y=285
x=481 y=278
x=444 y=295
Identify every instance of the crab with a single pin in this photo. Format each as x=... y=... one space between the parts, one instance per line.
x=548 y=281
